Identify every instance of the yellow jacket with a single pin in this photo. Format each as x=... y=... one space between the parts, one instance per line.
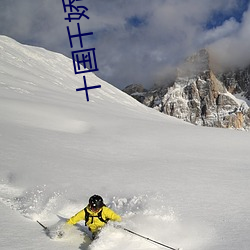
x=94 y=223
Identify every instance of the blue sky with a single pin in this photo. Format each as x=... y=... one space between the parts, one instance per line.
x=218 y=17
x=136 y=41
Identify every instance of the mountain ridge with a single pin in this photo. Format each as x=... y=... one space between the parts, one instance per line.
x=200 y=95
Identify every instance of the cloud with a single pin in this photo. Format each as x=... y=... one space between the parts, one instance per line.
x=233 y=49
x=136 y=41
x=32 y=21
x=228 y=28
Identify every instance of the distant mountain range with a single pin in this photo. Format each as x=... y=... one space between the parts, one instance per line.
x=202 y=94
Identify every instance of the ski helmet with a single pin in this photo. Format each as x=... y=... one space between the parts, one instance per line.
x=95 y=202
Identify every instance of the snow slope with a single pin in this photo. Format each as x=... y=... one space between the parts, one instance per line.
x=176 y=183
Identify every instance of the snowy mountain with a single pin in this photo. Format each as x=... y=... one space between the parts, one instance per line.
x=182 y=185
x=201 y=96
x=237 y=81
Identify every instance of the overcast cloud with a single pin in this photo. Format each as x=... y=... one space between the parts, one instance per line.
x=136 y=41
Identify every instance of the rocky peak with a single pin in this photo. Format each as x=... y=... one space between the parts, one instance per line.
x=237 y=81
x=133 y=88
x=196 y=64
x=201 y=97
x=137 y=91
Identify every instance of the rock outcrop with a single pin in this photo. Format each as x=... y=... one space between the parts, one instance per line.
x=199 y=96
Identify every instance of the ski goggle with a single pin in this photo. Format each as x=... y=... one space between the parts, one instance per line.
x=94 y=208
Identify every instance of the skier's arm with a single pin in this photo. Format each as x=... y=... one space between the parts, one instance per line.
x=110 y=214
x=77 y=217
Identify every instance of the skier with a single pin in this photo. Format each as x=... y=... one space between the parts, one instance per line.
x=95 y=214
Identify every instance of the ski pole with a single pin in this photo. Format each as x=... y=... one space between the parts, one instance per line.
x=146 y=238
x=45 y=228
